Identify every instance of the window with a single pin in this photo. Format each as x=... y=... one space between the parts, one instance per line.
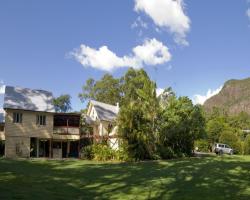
x=17 y=117
x=41 y=120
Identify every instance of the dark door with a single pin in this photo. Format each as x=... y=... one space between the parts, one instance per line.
x=74 y=149
x=64 y=150
x=43 y=148
x=2 y=146
x=33 y=147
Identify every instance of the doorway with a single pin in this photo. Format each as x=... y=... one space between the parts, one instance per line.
x=33 y=147
x=43 y=148
x=64 y=149
x=2 y=147
x=74 y=149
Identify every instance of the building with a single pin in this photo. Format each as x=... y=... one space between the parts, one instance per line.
x=102 y=118
x=32 y=128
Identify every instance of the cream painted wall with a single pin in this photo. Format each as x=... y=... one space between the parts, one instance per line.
x=17 y=147
x=28 y=127
x=18 y=135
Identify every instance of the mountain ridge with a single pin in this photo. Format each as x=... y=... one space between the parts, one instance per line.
x=233 y=98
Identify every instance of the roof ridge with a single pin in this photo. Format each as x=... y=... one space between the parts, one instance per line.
x=25 y=88
x=102 y=103
x=105 y=111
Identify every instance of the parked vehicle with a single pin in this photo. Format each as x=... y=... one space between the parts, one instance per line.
x=219 y=148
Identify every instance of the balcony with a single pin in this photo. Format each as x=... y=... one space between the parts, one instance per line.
x=66 y=124
x=61 y=130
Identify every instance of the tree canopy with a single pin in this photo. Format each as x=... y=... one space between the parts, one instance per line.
x=62 y=103
x=180 y=124
x=138 y=114
x=107 y=90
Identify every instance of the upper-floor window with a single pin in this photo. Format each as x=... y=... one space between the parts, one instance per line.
x=41 y=120
x=17 y=117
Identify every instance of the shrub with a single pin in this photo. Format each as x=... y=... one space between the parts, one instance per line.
x=103 y=152
x=87 y=152
x=202 y=145
x=228 y=137
x=166 y=152
x=247 y=145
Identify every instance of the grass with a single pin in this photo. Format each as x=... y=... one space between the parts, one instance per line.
x=191 y=178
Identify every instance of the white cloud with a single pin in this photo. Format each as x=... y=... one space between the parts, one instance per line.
x=167 y=14
x=151 y=52
x=139 y=23
x=2 y=88
x=200 y=99
x=248 y=13
x=159 y=91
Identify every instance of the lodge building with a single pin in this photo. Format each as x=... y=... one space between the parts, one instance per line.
x=32 y=128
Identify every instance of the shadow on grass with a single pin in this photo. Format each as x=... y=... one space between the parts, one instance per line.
x=194 y=178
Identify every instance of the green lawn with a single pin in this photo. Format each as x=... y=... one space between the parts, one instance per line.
x=195 y=178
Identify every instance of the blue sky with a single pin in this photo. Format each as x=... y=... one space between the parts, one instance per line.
x=192 y=46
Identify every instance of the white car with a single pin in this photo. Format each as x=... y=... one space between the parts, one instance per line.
x=219 y=148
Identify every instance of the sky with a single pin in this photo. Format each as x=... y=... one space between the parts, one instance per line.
x=193 y=46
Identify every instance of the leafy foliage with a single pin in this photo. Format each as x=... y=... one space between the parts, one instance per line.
x=180 y=124
x=247 y=145
x=62 y=103
x=107 y=90
x=228 y=137
x=102 y=152
x=138 y=113
x=202 y=145
x=87 y=152
x=228 y=129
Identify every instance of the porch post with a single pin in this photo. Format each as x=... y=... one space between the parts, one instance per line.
x=79 y=148
x=37 y=147
x=68 y=148
x=50 y=143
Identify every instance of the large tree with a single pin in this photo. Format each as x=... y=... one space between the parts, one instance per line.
x=62 y=103
x=138 y=114
x=107 y=90
x=180 y=123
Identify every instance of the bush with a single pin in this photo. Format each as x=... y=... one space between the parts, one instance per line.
x=103 y=152
x=247 y=145
x=228 y=137
x=202 y=145
x=166 y=152
x=87 y=152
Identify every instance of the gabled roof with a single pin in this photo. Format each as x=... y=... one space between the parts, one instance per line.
x=28 y=99
x=105 y=112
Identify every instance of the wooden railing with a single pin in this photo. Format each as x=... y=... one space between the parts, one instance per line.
x=64 y=130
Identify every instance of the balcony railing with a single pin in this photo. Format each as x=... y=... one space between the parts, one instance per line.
x=61 y=130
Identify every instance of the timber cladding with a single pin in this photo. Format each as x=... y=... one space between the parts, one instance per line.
x=18 y=135
x=17 y=147
x=28 y=127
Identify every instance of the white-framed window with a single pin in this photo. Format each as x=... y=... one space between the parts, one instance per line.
x=17 y=117
x=41 y=120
